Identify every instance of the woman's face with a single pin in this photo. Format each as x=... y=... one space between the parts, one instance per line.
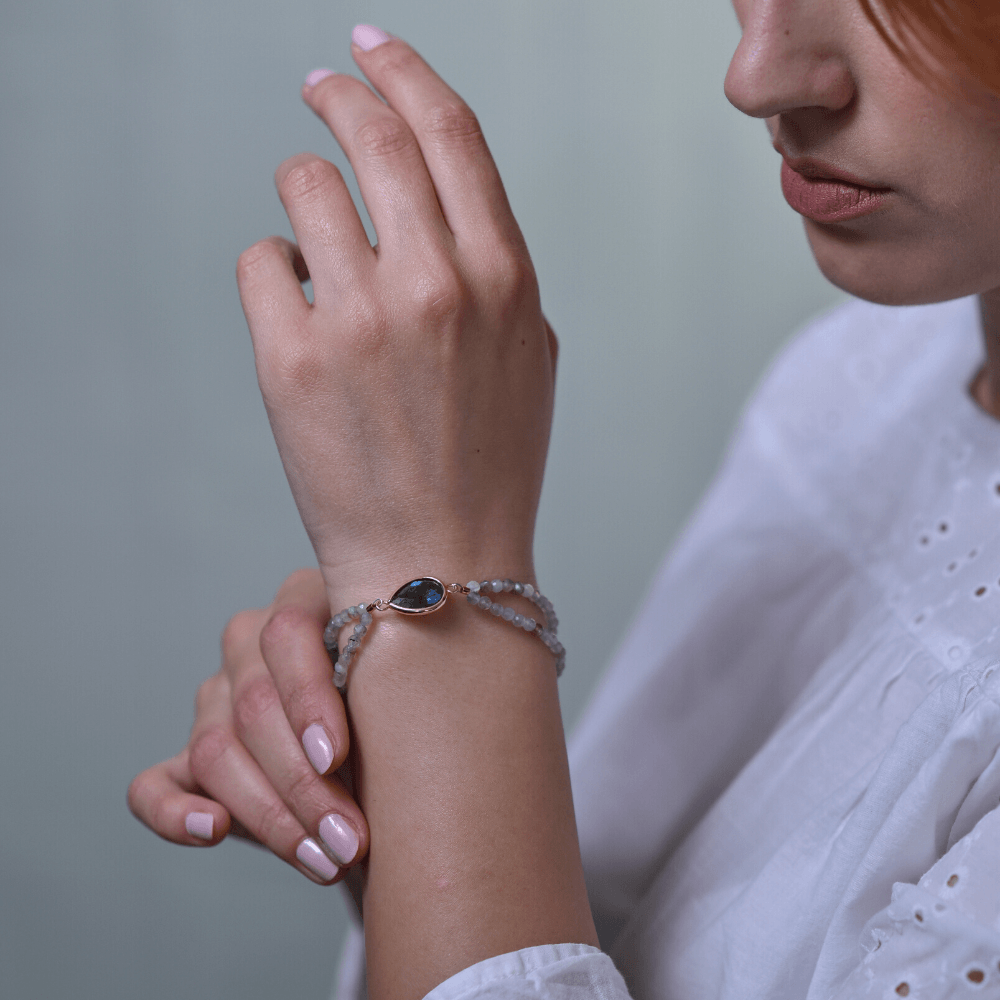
x=838 y=104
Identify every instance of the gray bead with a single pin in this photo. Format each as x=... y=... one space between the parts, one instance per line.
x=529 y=625
x=528 y=590
x=473 y=586
x=508 y=614
x=518 y=620
x=472 y=599
x=485 y=602
x=496 y=586
x=508 y=585
x=366 y=618
x=518 y=588
x=496 y=610
x=360 y=629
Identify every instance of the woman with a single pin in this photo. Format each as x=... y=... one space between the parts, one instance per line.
x=786 y=785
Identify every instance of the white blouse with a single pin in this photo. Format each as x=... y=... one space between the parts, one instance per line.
x=787 y=783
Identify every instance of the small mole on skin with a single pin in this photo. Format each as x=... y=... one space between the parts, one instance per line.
x=975 y=975
x=903 y=989
x=953 y=881
x=980 y=591
x=919 y=917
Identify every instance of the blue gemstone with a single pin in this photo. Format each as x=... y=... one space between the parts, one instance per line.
x=419 y=596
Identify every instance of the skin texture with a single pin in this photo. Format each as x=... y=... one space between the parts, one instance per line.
x=386 y=396
x=829 y=88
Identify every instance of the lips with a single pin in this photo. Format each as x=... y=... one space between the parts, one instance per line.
x=827 y=196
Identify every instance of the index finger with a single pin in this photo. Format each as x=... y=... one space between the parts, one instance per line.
x=291 y=643
x=460 y=164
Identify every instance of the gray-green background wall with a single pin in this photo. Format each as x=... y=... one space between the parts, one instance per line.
x=142 y=497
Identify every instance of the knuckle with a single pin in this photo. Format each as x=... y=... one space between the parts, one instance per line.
x=306 y=178
x=510 y=275
x=274 y=825
x=438 y=296
x=207 y=748
x=284 y=626
x=382 y=137
x=205 y=694
x=253 y=259
x=303 y=786
x=253 y=702
x=239 y=630
x=137 y=792
x=452 y=124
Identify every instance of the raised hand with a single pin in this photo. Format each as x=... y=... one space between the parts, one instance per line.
x=411 y=402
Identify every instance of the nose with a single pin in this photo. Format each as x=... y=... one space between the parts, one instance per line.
x=792 y=56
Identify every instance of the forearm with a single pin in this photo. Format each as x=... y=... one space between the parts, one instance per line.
x=462 y=774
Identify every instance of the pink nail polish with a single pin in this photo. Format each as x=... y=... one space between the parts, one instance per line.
x=339 y=837
x=367 y=36
x=199 y=825
x=312 y=856
x=318 y=748
x=316 y=75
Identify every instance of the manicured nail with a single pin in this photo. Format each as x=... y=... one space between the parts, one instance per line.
x=318 y=748
x=316 y=75
x=339 y=837
x=199 y=825
x=367 y=36
x=312 y=856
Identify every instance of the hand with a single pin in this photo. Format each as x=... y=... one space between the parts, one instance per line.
x=245 y=770
x=411 y=402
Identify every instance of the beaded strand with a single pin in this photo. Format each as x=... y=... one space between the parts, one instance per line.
x=477 y=594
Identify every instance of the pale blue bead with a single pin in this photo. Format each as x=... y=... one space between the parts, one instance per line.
x=472 y=599
x=366 y=618
x=473 y=586
x=496 y=609
x=528 y=590
x=360 y=629
x=518 y=588
x=496 y=586
x=529 y=624
x=518 y=620
x=508 y=585
x=508 y=614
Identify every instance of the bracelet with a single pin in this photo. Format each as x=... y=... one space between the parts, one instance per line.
x=428 y=594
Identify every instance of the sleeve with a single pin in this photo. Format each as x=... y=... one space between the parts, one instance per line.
x=546 y=972
x=938 y=939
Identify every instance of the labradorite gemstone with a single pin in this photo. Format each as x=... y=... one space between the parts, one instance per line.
x=424 y=594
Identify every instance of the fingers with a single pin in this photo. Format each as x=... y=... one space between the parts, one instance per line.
x=292 y=646
x=459 y=162
x=387 y=161
x=165 y=798
x=325 y=222
x=270 y=276
x=226 y=770
x=282 y=795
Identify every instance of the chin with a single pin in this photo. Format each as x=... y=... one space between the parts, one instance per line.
x=894 y=272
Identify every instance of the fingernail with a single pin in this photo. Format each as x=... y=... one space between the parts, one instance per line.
x=339 y=837
x=367 y=36
x=318 y=748
x=312 y=856
x=316 y=75
x=199 y=825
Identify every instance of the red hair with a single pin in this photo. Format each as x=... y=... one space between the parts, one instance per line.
x=963 y=36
